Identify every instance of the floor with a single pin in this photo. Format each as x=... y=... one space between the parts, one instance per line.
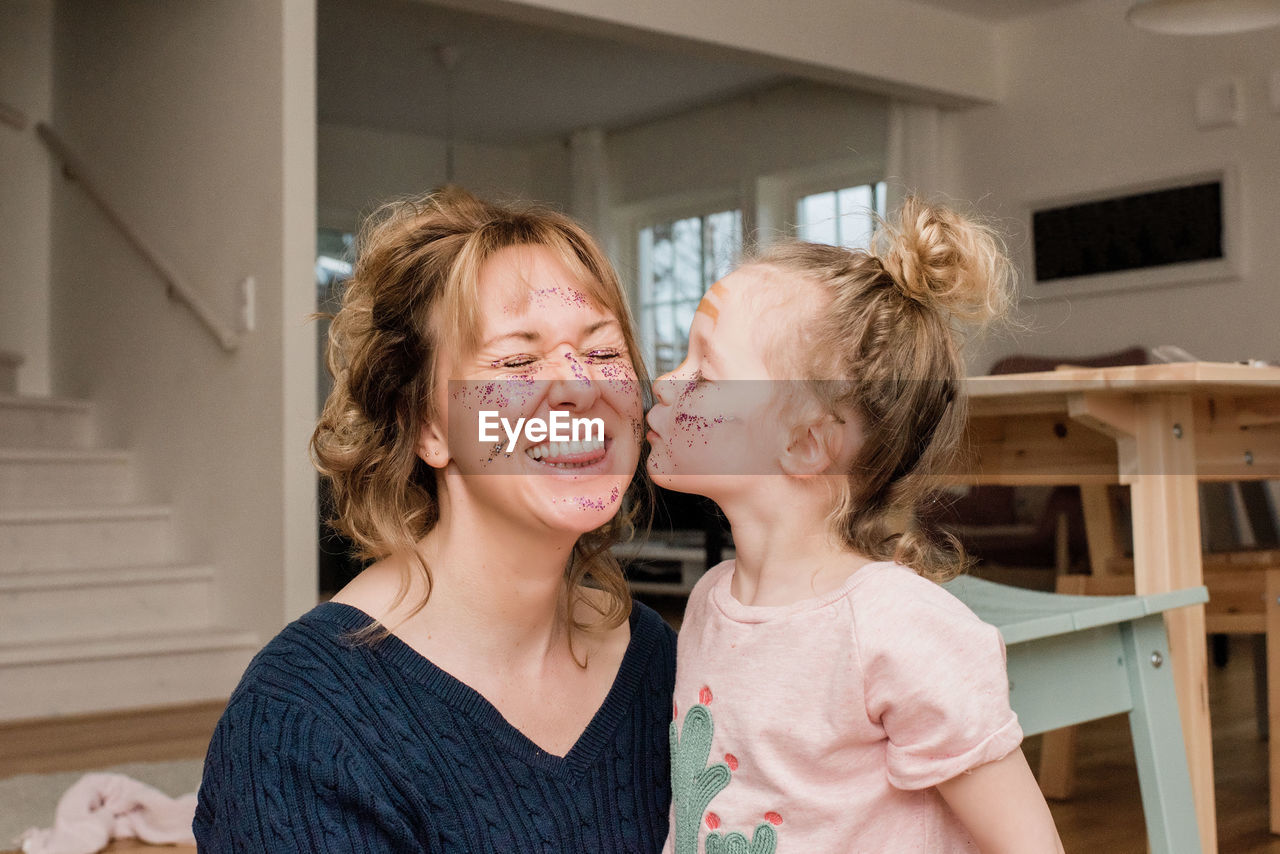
x=1104 y=816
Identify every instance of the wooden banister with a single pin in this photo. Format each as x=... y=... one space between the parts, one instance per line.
x=177 y=290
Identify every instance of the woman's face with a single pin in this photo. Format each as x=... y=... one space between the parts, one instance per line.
x=548 y=355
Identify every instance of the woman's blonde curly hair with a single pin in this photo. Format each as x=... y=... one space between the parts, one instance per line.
x=413 y=296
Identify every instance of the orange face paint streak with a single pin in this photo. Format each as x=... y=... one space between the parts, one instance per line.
x=708 y=308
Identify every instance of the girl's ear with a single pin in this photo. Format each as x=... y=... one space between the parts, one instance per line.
x=825 y=446
x=813 y=448
x=433 y=446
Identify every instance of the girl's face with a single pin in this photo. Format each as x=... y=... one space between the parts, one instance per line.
x=545 y=346
x=719 y=413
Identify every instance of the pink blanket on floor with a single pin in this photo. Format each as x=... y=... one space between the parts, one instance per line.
x=103 y=807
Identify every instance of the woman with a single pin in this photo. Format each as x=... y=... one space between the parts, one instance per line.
x=469 y=691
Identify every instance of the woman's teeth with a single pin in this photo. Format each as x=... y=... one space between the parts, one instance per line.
x=551 y=452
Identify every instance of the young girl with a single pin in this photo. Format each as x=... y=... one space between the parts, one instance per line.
x=830 y=696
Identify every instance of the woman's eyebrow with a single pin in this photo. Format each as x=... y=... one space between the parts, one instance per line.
x=520 y=334
x=530 y=335
x=598 y=325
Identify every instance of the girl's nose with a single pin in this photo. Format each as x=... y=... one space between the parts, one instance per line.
x=664 y=387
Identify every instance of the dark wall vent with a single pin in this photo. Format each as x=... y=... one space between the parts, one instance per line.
x=1132 y=232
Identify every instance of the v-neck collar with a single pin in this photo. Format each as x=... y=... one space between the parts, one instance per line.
x=599 y=731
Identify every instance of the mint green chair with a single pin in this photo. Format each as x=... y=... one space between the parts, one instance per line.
x=1079 y=658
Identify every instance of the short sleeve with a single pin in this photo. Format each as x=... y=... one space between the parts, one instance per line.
x=934 y=679
x=277 y=779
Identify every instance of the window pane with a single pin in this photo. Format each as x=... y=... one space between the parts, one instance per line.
x=684 y=319
x=678 y=261
x=817 y=218
x=662 y=262
x=842 y=217
x=687 y=239
x=723 y=232
x=664 y=331
x=855 y=205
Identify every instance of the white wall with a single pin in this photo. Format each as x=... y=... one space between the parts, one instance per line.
x=26 y=83
x=728 y=146
x=198 y=121
x=358 y=168
x=1094 y=104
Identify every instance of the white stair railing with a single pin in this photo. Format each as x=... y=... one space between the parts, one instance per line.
x=175 y=287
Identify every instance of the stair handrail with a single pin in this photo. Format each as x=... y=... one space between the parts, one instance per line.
x=175 y=288
x=12 y=116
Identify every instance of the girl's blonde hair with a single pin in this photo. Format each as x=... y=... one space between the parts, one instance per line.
x=411 y=297
x=883 y=346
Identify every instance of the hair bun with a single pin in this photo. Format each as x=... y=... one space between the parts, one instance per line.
x=942 y=259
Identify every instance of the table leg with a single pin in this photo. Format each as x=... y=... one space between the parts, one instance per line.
x=1166 y=546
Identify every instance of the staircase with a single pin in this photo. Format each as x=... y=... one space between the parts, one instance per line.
x=97 y=612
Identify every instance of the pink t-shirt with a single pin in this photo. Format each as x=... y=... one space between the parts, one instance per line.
x=823 y=726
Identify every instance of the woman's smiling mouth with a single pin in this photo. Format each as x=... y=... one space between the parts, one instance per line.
x=570 y=455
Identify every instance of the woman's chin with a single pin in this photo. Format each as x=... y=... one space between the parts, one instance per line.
x=589 y=506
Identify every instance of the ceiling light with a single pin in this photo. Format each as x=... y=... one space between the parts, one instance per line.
x=1204 y=17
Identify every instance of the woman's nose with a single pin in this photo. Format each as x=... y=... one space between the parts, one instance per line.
x=572 y=387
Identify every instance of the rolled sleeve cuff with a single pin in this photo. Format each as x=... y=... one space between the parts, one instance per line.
x=910 y=771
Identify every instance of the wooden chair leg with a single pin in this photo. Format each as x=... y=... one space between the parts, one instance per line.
x=1158 y=745
x=1058 y=763
x=1061 y=545
x=1273 y=692
x=1260 y=686
x=1099 y=527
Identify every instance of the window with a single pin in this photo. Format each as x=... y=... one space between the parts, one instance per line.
x=678 y=261
x=841 y=217
x=335 y=251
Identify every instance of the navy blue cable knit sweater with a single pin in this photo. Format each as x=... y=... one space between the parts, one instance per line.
x=327 y=746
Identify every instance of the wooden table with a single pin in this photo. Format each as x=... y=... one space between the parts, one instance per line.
x=1159 y=429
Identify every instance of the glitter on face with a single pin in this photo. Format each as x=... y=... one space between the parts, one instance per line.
x=587 y=502
x=695 y=426
x=543 y=298
x=574 y=365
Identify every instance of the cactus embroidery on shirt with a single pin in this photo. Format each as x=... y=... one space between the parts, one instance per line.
x=694 y=784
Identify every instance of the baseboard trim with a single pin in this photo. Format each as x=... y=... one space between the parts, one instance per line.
x=85 y=742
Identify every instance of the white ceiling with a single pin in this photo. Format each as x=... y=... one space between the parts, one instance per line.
x=514 y=82
x=997 y=10
x=517 y=82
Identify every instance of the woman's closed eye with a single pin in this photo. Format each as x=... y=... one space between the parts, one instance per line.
x=526 y=360
x=604 y=354
x=512 y=362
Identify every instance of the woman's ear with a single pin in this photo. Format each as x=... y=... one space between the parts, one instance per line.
x=433 y=445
